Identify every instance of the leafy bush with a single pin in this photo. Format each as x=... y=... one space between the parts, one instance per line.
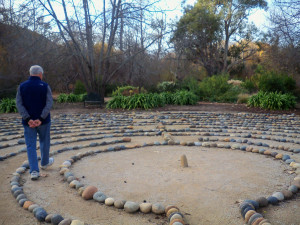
x=249 y=85
x=231 y=95
x=79 y=88
x=126 y=91
x=272 y=100
x=184 y=98
x=190 y=84
x=216 y=88
x=142 y=101
x=8 y=105
x=62 y=98
x=152 y=100
x=71 y=98
x=167 y=86
x=167 y=97
x=271 y=81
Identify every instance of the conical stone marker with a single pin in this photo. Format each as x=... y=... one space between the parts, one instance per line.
x=183 y=161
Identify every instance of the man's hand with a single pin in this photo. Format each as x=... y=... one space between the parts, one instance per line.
x=34 y=123
x=37 y=123
x=31 y=124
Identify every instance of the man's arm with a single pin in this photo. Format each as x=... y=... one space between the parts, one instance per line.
x=19 y=103
x=49 y=103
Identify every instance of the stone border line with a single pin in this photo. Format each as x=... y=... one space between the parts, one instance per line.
x=247 y=207
x=155 y=132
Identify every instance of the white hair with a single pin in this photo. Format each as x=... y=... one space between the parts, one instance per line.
x=34 y=70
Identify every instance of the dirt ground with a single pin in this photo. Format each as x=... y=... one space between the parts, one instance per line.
x=207 y=192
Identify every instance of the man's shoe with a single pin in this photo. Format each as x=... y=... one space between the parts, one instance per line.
x=34 y=175
x=51 y=161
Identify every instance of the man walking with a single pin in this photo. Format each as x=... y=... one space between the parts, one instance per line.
x=34 y=101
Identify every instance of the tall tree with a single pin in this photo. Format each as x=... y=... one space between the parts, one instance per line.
x=232 y=17
x=198 y=37
x=83 y=25
x=285 y=19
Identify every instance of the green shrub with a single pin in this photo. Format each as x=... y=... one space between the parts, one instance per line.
x=271 y=81
x=272 y=100
x=72 y=98
x=126 y=91
x=79 y=88
x=82 y=97
x=8 y=105
x=152 y=100
x=213 y=87
x=62 y=98
x=249 y=85
x=141 y=101
x=184 y=98
x=191 y=84
x=167 y=97
x=167 y=86
x=231 y=95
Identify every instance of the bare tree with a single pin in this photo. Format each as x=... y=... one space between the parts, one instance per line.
x=285 y=18
x=83 y=25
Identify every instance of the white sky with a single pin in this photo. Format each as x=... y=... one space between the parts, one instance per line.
x=175 y=10
x=259 y=17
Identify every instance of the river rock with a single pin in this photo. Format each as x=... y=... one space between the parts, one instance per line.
x=119 y=204
x=77 y=222
x=88 y=192
x=145 y=207
x=73 y=183
x=174 y=216
x=56 y=219
x=257 y=221
x=296 y=183
x=32 y=207
x=293 y=189
x=63 y=171
x=287 y=194
x=278 y=195
x=109 y=201
x=21 y=196
x=254 y=217
x=171 y=211
x=262 y=201
x=70 y=179
x=158 y=208
x=48 y=218
x=131 y=207
x=248 y=215
x=27 y=204
x=177 y=222
x=285 y=157
x=65 y=222
x=273 y=200
x=40 y=214
x=99 y=196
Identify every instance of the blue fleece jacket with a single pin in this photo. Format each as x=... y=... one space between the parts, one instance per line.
x=34 y=100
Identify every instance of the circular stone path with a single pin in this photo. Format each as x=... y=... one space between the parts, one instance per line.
x=135 y=157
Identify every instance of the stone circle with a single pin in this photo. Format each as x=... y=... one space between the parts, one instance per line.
x=244 y=132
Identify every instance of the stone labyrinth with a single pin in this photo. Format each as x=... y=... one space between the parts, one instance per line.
x=125 y=168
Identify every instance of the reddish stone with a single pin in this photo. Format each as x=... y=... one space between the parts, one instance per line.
x=88 y=192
